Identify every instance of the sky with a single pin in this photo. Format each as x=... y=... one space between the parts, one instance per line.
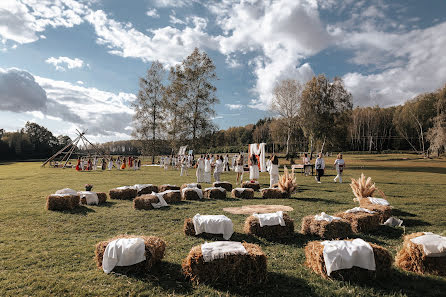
x=70 y=65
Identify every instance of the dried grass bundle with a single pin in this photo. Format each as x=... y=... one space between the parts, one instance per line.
x=384 y=211
x=314 y=254
x=225 y=185
x=287 y=182
x=238 y=270
x=324 y=229
x=362 y=187
x=154 y=247
x=214 y=194
x=245 y=194
x=145 y=201
x=163 y=188
x=412 y=258
x=59 y=202
x=249 y=185
x=252 y=226
x=361 y=222
x=123 y=194
x=274 y=193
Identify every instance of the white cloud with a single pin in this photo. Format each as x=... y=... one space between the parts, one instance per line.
x=234 y=106
x=62 y=62
x=176 y=21
x=153 y=13
x=173 y=3
x=79 y=82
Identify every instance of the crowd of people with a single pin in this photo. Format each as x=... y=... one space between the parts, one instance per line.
x=108 y=163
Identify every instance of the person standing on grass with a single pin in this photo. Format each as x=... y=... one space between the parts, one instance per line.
x=273 y=170
x=218 y=168
x=207 y=170
x=253 y=168
x=183 y=167
x=200 y=169
x=320 y=167
x=305 y=162
x=339 y=165
x=238 y=168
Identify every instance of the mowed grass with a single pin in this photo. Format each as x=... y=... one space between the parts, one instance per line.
x=46 y=253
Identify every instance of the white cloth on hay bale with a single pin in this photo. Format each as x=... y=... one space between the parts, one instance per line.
x=66 y=191
x=378 y=201
x=169 y=191
x=220 y=249
x=393 y=222
x=192 y=185
x=344 y=254
x=240 y=190
x=90 y=197
x=197 y=190
x=359 y=209
x=214 y=224
x=123 y=252
x=161 y=202
x=213 y=188
x=434 y=245
x=325 y=217
x=125 y=188
x=270 y=219
x=140 y=187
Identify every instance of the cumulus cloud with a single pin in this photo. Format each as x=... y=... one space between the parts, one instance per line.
x=62 y=62
x=234 y=106
x=19 y=91
x=153 y=13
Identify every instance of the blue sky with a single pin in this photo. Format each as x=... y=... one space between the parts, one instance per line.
x=70 y=64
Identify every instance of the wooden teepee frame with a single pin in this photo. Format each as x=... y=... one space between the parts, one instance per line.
x=68 y=150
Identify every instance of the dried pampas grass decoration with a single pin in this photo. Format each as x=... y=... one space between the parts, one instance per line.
x=362 y=187
x=287 y=182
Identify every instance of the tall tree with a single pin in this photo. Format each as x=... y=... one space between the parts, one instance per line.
x=287 y=96
x=149 y=113
x=437 y=134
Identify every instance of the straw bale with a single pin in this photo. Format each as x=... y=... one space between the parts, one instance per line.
x=163 y=188
x=412 y=258
x=252 y=226
x=384 y=211
x=361 y=222
x=148 y=190
x=172 y=197
x=250 y=185
x=214 y=194
x=315 y=260
x=187 y=186
x=234 y=270
x=274 y=193
x=324 y=229
x=154 y=247
x=222 y=184
x=190 y=194
x=123 y=194
x=245 y=194
x=145 y=201
x=65 y=202
x=102 y=197
x=189 y=230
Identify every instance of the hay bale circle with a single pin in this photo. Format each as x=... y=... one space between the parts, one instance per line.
x=154 y=252
x=274 y=193
x=314 y=254
x=214 y=193
x=164 y=188
x=123 y=193
x=62 y=202
x=145 y=201
x=361 y=222
x=412 y=258
x=244 y=193
x=248 y=184
x=252 y=226
x=235 y=270
x=223 y=184
x=324 y=229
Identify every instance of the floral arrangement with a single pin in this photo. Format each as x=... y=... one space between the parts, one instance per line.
x=88 y=187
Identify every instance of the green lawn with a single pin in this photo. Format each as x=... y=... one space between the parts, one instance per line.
x=45 y=253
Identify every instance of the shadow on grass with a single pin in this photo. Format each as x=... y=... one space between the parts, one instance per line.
x=326 y=201
x=388 y=232
x=80 y=210
x=401 y=213
x=421 y=169
x=415 y=222
x=106 y=204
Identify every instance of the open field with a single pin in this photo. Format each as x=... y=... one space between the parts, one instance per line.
x=45 y=253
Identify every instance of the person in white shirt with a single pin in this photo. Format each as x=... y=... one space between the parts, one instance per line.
x=253 y=168
x=320 y=167
x=273 y=170
x=218 y=168
x=305 y=162
x=207 y=170
x=339 y=165
x=110 y=163
x=183 y=164
x=239 y=169
x=161 y=161
x=234 y=162
x=226 y=163
x=200 y=169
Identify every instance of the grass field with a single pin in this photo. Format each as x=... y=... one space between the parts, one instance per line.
x=45 y=253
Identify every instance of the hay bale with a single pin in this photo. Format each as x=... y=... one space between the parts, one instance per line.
x=223 y=184
x=324 y=229
x=384 y=211
x=123 y=193
x=315 y=260
x=164 y=188
x=274 y=193
x=154 y=247
x=145 y=201
x=62 y=202
x=412 y=258
x=214 y=193
x=361 y=222
x=252 y=226
x=190 y=194
x=245 y=193
x=188 y=227
x=102 y=197
x=148 y=189
x=248 y=184
x=192 y=185
x=172 y=196
x=234 y=270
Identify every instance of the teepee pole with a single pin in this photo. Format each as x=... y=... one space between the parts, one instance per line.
x=59 y=152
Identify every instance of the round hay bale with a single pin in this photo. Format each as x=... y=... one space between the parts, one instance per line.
x=324 y=229
x=273 y=193
x=123 y=193
x=248 y=184
x=234 y=270
x=192 y=185
x=164 y=188
x=145 y=201
x=412 y=258
x=315 y=261
x=62 y=202
x=214 y=193
x=223 y=184
x=244 y=193
x=154 y=247
x=190 y=194
x=172 y=196
x=148 y=189
x=384 y=211
x=102 y=197
x=361 y=222
x=252 y=226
